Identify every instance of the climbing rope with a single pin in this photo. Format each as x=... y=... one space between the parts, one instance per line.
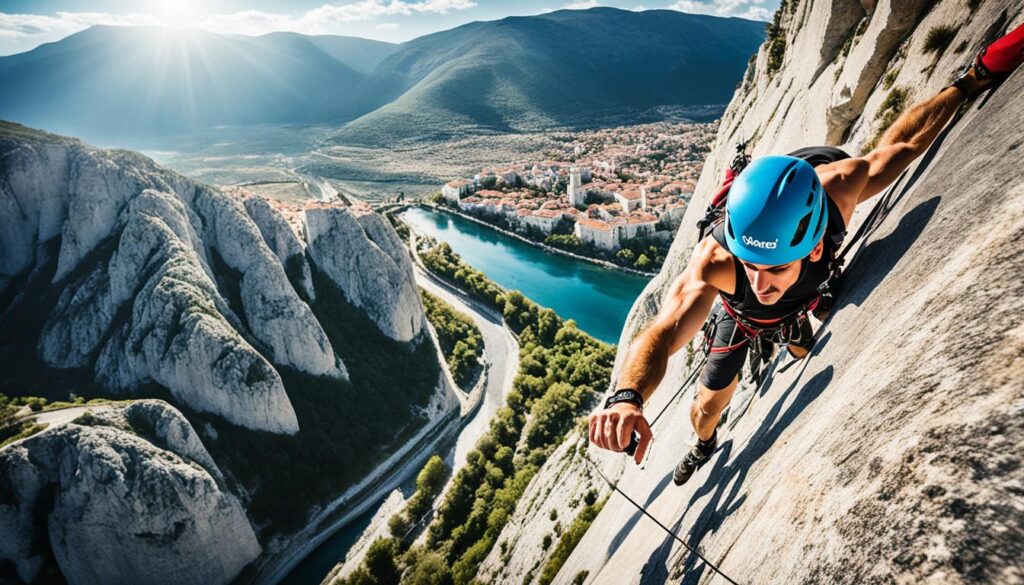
x=690 y=378
x=667 y=530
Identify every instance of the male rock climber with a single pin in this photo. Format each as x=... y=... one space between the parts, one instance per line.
x=783 y=220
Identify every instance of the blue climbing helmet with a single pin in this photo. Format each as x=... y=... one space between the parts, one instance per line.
x=776 y=212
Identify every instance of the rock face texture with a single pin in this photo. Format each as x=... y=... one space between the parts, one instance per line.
x=129 y=495
x=893 y=454
x=361 y=253
x=166 y=280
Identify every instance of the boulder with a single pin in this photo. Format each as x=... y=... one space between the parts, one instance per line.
x=130 y=495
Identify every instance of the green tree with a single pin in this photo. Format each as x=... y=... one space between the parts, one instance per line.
x=432 y=477
x=380 y=561
x=428 y=568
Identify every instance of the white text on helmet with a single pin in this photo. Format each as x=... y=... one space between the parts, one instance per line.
x=759 y=244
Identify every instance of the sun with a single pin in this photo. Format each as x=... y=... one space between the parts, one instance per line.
x=175 y=12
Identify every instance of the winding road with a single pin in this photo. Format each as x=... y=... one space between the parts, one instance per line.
x=500 y=349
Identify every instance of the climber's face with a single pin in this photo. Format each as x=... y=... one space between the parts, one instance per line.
x=769 y=283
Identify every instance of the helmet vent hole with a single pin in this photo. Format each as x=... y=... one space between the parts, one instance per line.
x=801 y=230
x=821 y=218
x=728 y=228
x=810 y=198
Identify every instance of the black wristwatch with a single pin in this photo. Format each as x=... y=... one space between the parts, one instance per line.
x=625 y=395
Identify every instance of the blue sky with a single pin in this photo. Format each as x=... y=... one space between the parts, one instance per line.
x=25 y=24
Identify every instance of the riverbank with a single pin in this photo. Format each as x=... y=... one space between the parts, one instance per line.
x=541 y=245
x=501 y=353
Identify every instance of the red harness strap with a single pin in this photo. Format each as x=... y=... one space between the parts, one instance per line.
x=749 y=325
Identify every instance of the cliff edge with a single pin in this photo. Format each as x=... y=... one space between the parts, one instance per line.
x=894 y=452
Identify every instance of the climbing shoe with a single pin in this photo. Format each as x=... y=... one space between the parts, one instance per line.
x=996 y=60
x=692 y=461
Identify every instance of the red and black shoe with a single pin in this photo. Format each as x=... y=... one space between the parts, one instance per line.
x=996 y=61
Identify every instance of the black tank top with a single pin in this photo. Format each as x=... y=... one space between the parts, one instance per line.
x=744 y=301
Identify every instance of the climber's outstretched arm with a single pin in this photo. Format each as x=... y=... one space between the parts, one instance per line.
x=855 y=180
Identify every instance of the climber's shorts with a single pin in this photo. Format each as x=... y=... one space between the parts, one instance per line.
x=724 y=367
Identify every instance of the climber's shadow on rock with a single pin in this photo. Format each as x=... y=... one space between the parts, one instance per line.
x=877 y=259
x=623 y=532
x=726 y=480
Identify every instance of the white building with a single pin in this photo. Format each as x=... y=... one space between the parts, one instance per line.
x=599 y=233
x=629 y=199
x=543 y=219
x=454 y=191
x=575 y=190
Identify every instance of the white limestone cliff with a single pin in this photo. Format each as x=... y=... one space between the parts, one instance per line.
x=130 y=495
x=162 y=279
x=283 y=242
x=361 y=253
x=892 y=454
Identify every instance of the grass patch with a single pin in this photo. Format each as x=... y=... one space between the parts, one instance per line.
x=890 y=78
x=939 y=38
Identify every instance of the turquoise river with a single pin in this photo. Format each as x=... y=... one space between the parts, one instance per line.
x=597 y=298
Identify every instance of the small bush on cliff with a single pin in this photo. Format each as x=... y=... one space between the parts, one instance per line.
x=13 y=427
x=569 y=541
x=939 y=38
x=888 y=111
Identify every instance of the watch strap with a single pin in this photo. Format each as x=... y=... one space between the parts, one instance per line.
x=625 y=395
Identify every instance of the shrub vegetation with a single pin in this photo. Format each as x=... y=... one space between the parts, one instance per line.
x=561 y=372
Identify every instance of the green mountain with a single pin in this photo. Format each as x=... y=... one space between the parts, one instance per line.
x=140 y=81
x=556 y=69
x=565 y=67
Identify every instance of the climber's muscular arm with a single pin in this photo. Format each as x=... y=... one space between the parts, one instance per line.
x=686 y=305
x=854 y=180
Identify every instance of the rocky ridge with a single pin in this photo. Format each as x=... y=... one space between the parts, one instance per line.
x=136 y=475
x=893 y=453
x=167 y=280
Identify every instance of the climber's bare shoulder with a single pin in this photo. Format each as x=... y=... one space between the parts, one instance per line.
x=713 y=265
x=845 y=181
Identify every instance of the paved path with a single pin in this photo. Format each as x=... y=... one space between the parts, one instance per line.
x=501 y=350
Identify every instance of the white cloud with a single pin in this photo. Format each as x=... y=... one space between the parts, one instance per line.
x=582 y=5
x=63 y=23
x=387 y=26
x=638 y=8
x=327 y=17
x=752 y=9
x=22 y=32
